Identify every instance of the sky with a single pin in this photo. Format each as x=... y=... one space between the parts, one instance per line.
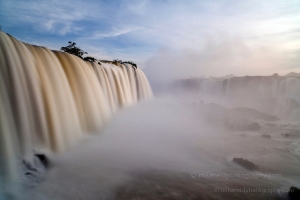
x=168 y=39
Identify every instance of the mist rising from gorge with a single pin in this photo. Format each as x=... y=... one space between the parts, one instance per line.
x=219 y=56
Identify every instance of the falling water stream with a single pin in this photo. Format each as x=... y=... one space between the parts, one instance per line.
x=49 y=99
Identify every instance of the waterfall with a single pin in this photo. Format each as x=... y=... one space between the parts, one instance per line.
x=277 y=95
x=49 y=99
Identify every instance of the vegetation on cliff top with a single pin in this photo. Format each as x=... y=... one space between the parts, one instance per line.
x=72 y=49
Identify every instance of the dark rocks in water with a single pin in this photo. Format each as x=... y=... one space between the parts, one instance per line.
x=245 y=163
x=43 y=159
x=292 y=133
x=285 y=135
x=241 y=125
x=254 y=114
x=254 y=126
x=266 y=136
x=294 y=193
x=229 y=126
x=270 y=125
x=28 y=166
x=28 y=173
x=34 y=168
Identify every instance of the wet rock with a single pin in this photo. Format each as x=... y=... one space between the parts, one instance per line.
x=293 y=133
x=34 y=170
x=254 y=126
x=294 y=193
x=241 y=124
x=229 y=126
x=270 y=125
x=28 y=166
x=28 y=173
x=285 y=135
x=245 y=163
x=266 y=136
x=251 y=113
x=43 y=159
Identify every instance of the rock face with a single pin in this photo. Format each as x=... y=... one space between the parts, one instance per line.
x=245 y=163
x=294 y=193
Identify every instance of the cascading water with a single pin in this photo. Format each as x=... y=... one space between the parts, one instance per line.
x=276 y=95
x=50 y=99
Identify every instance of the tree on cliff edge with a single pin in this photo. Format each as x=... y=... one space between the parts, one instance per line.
x=72 y=49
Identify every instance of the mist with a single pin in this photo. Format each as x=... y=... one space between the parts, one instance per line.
x=219 y=56
x=223 y=123
x=170 y=135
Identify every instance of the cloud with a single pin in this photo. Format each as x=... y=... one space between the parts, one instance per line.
x=208 y=33
x=114 y=33
x=219 y=57
x=48 y=16
x=138 y=7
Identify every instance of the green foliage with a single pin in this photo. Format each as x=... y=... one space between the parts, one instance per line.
x=72 y=49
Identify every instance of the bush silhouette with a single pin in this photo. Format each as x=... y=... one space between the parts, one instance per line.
x=72 y=49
